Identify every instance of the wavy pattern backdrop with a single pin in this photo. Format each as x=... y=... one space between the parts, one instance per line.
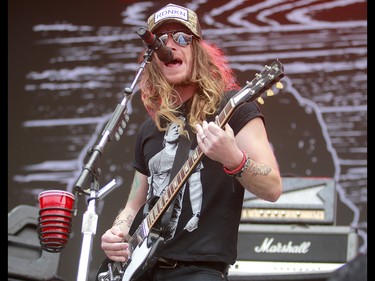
x=69 y=62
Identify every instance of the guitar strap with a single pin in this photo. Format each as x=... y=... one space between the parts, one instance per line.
x=182 y=154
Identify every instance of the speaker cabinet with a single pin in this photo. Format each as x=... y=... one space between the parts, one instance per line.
x=26 y=259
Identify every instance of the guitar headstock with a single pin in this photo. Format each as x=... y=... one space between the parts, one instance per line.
x=262 y=82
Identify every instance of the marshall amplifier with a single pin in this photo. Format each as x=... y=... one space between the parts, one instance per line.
x=289 y=249
x=310 y=200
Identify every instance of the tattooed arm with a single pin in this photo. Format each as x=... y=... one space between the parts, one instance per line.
x=114 y=239
x=261 y=174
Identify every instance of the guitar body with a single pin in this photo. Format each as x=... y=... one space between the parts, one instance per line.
x=143 y=256
x=142 y=261
x=146 y=238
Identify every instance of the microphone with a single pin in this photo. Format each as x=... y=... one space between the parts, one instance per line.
x=163 y=52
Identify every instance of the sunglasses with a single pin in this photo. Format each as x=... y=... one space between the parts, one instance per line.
x=181 y=38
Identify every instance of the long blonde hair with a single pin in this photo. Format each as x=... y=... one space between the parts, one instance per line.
x=210 y=72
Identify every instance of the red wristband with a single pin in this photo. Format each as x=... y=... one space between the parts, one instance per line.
x=239 y=168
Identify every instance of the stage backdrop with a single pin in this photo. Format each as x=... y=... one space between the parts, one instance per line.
x=69 y=62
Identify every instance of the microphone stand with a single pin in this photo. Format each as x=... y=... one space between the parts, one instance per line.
x=114 y=129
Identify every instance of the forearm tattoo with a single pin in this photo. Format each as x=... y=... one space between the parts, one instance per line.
x=257 y=169
x=134 y=188
x=129 y=220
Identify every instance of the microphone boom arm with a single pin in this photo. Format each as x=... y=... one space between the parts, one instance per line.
x=113 y=129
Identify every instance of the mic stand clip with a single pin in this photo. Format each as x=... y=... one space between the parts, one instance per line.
x=89 y=224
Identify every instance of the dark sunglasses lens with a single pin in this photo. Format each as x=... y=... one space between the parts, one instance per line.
x=179 y=37
x=182 y=39
x=164 y=38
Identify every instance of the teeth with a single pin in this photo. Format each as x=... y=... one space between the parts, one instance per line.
x=174 y=62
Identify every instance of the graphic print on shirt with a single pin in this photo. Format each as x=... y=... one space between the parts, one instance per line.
x=160 y=166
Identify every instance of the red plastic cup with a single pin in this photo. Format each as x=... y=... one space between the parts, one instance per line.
x=50 y=199
x=55 y=217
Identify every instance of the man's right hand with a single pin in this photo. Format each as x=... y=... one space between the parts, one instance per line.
x=114 y=246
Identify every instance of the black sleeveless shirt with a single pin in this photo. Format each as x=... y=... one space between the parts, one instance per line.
x=205 y=222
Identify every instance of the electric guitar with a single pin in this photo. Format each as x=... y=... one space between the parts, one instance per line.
x=146 y=239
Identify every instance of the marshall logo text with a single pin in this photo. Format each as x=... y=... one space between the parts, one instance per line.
x=269 y=247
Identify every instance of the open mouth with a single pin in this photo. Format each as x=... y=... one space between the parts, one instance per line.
x=174 y=63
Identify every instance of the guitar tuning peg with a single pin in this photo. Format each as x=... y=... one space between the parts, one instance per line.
x=270 y=93
x=260 y=100
x=117 y=136
x=279 y=85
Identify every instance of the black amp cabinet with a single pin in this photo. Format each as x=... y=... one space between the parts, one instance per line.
x=289 y=252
